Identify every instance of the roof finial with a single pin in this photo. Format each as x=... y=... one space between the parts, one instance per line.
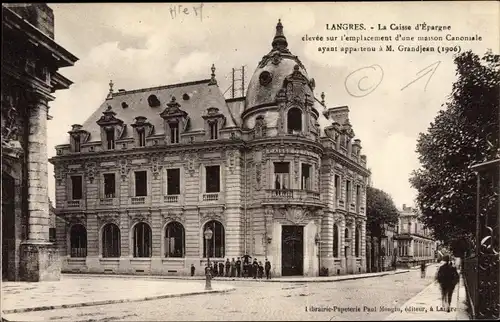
x=213 y=81
x=279 y=41
x=110 y=94
x=323 y=98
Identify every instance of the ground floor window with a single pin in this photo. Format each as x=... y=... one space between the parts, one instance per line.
x=357 y=243
x=110 y=241
x=214 y=247
x=142 y=240
x=335 y=240
x=78 y=241
x=174 y=240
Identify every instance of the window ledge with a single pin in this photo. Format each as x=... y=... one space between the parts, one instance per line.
x=173 y=259
x=109 y=259
x=140 y=259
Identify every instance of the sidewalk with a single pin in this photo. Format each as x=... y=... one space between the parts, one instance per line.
x=76 y=292
x=426 y=305
x=292 y=279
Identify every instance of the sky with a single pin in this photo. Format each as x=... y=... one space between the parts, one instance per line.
x=392 y=96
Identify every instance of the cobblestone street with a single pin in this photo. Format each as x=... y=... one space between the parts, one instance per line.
x=261 y=301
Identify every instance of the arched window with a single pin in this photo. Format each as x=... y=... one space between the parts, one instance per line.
x=214 y=247
x=409 y=227
x=294 y=120
x=110 y=241
x=174 y=240
x=335 y=240
x=346 y=233
x=78 y=241
x=142 y=240
x=357 y=243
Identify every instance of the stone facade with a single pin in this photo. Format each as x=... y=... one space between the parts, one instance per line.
x=415 y=242
x=152 y=169
x=30 y=62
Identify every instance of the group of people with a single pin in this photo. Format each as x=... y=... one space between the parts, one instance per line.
x=241 y=268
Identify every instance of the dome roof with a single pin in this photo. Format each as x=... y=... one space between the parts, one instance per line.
x=272 y=70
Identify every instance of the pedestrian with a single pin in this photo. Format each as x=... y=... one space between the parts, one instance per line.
x=221 y=269
x=238 y=267
x=267 y=267
x=255 y=268
x=192 y=269
x=216 y=269
x=228 y=267
x=233 y=268
x=422 y=270
x=447 y=278
x=261 y=270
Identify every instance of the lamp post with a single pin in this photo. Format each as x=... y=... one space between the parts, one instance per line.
x=208 y=272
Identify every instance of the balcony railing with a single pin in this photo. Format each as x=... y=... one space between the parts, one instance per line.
x=138 y=200
x=106 y=202
x=171 y=198
x=291 y=195
x=211 y=196
x=73 y=203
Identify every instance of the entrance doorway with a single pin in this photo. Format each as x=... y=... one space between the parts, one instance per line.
x=8 y=224
x=292 y=250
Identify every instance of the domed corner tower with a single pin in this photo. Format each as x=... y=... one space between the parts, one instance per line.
x=285 y=208
x=280 y=94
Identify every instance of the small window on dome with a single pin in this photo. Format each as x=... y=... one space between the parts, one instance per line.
x=153 y=101
x=265 y=78
x=185 y=96
x=124 y=105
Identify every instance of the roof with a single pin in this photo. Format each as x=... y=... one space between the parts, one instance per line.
x=200 y=96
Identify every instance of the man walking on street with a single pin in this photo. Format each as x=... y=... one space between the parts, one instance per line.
x=422 y=270
x=238 y=267
x=447 y=278
x=267 y=267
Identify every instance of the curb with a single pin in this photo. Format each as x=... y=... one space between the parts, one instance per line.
x=226 y=279
x=104 y=302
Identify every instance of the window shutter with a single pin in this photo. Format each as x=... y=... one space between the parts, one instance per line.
x=69 y=188
x=132 y=183
x=181 y=181
x=100 y=182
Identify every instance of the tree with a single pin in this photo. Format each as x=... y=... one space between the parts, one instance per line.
x=464 y=133
x=380 y=209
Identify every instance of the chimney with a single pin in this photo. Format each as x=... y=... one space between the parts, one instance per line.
x=404 y=206
x=337 y=114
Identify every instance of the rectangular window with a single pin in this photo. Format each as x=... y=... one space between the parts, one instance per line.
x=77 y=188
x=213 y=179
x=76 y=140
x=52 y=235
x=282 y=175
x=142 y=138
x=173 y=182
x=109 y=185
x=358 y=197
x=141 y=183
x=174 y=132
x=337 y=187
x=306 y=177
x=214 y=131
x=348 y=192
x=110 y=139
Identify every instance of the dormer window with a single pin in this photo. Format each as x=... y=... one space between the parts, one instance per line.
x=142 y=137
x=174 y=132
x=77 y=143
x=77 y=137
x=153 y=101
x=294 y=121
x=214 y=131
x=110 y=139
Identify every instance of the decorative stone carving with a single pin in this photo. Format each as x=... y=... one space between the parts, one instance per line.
x=60 y=173
x=296 y=166
x=295 y=85
x=337 y=218
x=155 y=167
x=208 y=215
x=110 y=217
x=258 y=175
x=124 y=168
x=231 y=160
x=296 y=215
x=170 y=216
x=190 y=162
x=90 y=169
x=10 y=124
x=260 y=127
x=136 y=217
x=76 y=219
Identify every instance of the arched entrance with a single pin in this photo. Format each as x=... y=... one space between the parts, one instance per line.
x=8 y=225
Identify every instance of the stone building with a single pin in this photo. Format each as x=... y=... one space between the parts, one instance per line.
x=30 y=61
x=142 y=179
x=415 y=242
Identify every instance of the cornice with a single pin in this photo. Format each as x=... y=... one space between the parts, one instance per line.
x=347 y=162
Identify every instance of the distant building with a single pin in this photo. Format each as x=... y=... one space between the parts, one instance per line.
x=30 y=63
x=415 y=242
x=152 y=169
